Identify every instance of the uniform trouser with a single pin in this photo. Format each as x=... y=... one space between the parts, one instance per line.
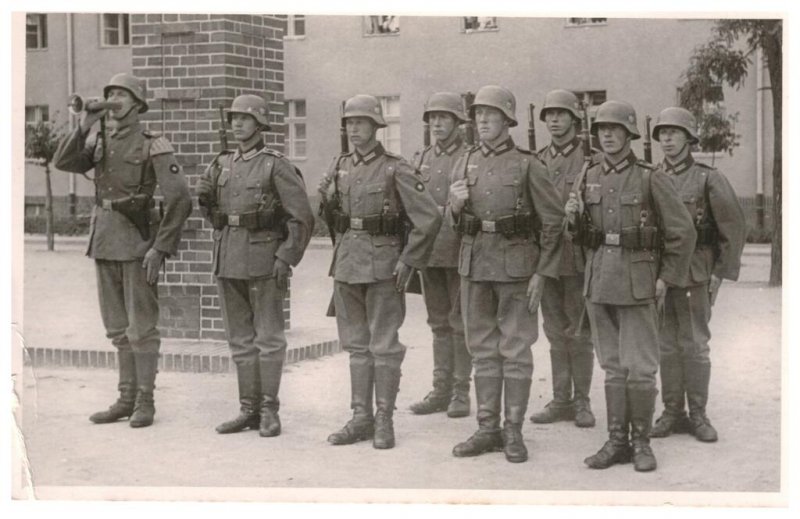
x=252 y=311
x=685 y=333
x=626 y=339
x=128 y=305
x=368 y=316
x=562 y=306
x=499 y=329
x=442 y=300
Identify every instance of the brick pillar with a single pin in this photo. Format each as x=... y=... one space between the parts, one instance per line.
x=192 y=64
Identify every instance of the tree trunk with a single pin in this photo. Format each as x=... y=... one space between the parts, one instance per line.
x=773 y=51
x=48 y=209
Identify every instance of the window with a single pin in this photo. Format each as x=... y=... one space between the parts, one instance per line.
x=34 y=209
x=36 y=31
x=115 y=29
x=381 y=24
x=593 y=98
x=390 y=136
x=582 y=22
x=296 y=26
x=479 y=23
x=35 y=114
x=296 y=129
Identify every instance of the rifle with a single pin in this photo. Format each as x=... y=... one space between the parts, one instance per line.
x=329 y=208
x=426 y=135
x=577 y=193
x=469 y=128
x=648 y=143
x=223 y=134
x=531 y=129
x=209 y=202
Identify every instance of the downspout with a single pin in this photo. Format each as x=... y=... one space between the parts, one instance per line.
x=73 y=198
x=759 y=139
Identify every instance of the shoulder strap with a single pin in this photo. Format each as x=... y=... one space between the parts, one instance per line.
x=145 y=162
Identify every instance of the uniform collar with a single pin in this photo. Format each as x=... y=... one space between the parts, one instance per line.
x=680 y=167
x=566 y=149
x=501 y=148
x=620 y=166
x=370 y=157
x=454 y=144
x=123 y=131
x=249 y=154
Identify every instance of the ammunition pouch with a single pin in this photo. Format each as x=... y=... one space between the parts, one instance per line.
x=252 y=221
x=634 y=238
x=707 y=235
x=135 y=208
x=374 y=224
x=509 y=226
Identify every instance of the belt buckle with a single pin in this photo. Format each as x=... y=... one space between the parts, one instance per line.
x=357 y=224
x=107 y=204
x=612 y=238
x=233 y=220
x=488 y=226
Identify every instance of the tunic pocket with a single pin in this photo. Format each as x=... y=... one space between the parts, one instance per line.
x=643 y=274
x=519 y=259
x=630 y=205
x=385 y=253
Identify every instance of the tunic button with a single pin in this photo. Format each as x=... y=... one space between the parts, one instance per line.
x=558 y=172
x=488 y=212
x=236 y=194
x=438 y=189
x=488 y=192
x=490 y=173
x=611 y=190
x=608 y=250
x=610 y=210
x=438 y=170
x=358 y=181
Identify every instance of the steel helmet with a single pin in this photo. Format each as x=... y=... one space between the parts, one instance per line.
x=253 y=105
x=617 y=112
x=130 y=83
x=445 y=102
x=363 y=105
x=561 y=99
x=679 y=118
x=496 y=97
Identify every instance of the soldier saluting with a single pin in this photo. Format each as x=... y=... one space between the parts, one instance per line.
x=129 y=239
x=630 y=211
x=372 y=265
x=452 y=364
x=720 y=225
x=499 y=194
x=257 y=203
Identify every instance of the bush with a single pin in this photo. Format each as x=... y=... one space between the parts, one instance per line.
x=63 y=225
x=756 y=235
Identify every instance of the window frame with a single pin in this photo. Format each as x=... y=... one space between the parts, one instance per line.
x=290 y=121
x=121 y=17
x=464 y=29
x=41 y=32
x=569 y=24
x=393 y=120
x=290 y=28
x=367 y=22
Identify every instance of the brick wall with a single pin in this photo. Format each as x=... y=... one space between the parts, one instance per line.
x=193 y=63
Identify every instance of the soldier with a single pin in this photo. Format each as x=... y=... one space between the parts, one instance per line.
x=498 y=194
x=129 y=238
x=372 y=265
x=257 y=203
x=629 y=211
x=452 y=364
x=720 y=225
x=571 y=355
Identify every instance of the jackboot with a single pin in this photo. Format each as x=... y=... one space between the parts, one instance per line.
x=361 y=426
x=270 y=423
x=437 y=400
x=673 y=419
x=582 y=367
x=387 y=383
x=146 y=368
x=249 y=379
x=642 y=404
x=123 y=407
x=462 y=370
x=488 y=438
x=517 y=392
x=617 y=449
x=561 y=408
x=698 y=376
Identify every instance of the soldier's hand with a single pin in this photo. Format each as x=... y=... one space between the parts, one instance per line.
x=402 y=273
x=713 y=288
x=459 y=194
x=661 y=296
x=535 y=291
x=89 y=119
x=152 y=262
x=573 y=205
x=205 y=191
x=324 y=184
x=281 y=270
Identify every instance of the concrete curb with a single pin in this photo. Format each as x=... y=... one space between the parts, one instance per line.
x=181 y=361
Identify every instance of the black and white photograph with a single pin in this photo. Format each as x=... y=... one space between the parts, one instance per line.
x=519 y=258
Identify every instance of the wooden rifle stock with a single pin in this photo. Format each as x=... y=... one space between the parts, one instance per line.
x=344 y=146
x=648 y=143
x=531 y=128
x=469 y=128
x=223 y=134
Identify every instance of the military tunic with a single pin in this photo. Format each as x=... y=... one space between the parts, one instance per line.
x=135 y=162
x=369 y=311
x=496 y=269
x=252 y=304
x=620 y=282
x=711 y=201
x=440 y=278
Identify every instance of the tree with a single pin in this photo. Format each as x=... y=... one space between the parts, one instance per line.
x=41 y=142
x=725 y=59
